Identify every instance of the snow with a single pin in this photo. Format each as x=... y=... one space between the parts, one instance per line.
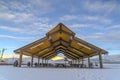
x=110 y=72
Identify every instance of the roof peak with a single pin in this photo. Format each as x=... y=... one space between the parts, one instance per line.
x=60 y=26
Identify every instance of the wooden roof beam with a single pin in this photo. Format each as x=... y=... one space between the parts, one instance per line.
x=73 y=53
x=87 y=44
x=31 y=44
x=51 y=56
x=70 y=54
x=41 y=50
x=80 y=51
x=60 y=31
x=50 y=52
x=45 y=53
x=73 y=56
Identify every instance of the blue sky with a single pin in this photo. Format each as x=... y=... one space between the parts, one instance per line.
x=95 y=21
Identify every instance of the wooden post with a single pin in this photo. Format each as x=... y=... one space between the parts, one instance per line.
x=78 y=61
x=100 y=59
x=20 y=59
x=89 y=62
x=42 y=61
x=47 y=61
x=38 y=60
x=32 y=61
x=82 y=61
x=73 y=61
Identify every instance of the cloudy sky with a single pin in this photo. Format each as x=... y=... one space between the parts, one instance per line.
x=24 y=21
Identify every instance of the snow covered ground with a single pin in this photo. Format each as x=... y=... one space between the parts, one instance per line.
x=111 y=72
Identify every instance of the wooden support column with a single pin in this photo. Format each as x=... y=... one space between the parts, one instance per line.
x=20 y=59
x=45 y=61
x=38 y=60
x=42 y=61
x=82 y=61
x=100 y=59
x=75 y=61
x=78 y=61
x=72 y=61
x=89 y=62
x=32 y=61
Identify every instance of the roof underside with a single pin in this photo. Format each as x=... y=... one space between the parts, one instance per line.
x=60 y=39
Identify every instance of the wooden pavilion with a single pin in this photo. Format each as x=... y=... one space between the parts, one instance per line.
x=60 y=39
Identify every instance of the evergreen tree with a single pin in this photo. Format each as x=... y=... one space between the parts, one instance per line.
x=2 y=53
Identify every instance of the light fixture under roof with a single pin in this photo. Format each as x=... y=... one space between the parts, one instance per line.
x=84 y=46
x=43 y=51
x=49 y=37
x=76 y=50
x=36 y=45
x=71 y=37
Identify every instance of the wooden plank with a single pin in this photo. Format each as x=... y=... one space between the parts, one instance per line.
x=89 y=62
x=41 y=50
x=80 y=51
x=74 y=53
x=30 y=45
x=32 y=60
x=20 y=59
x=100 y=59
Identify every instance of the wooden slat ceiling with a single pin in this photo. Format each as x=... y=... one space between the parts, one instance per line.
x=60 y=39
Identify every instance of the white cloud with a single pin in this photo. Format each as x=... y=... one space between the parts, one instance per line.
x=23 y=17
x=17 y=17
x=99 y=6
x=16 y=38
x=12 y=29
x=112 y=36
x=6 y=16
x=29 y=6
x=69 y=17
x=42 y=5
x=97 y=19
x=114 y=48
x=32 y=29
x=90 y=18
x=114 y=27
x=85 y=25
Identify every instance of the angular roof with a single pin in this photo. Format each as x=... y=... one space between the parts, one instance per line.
x=60 y=39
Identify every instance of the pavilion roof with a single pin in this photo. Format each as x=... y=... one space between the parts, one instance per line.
x=60 y=39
